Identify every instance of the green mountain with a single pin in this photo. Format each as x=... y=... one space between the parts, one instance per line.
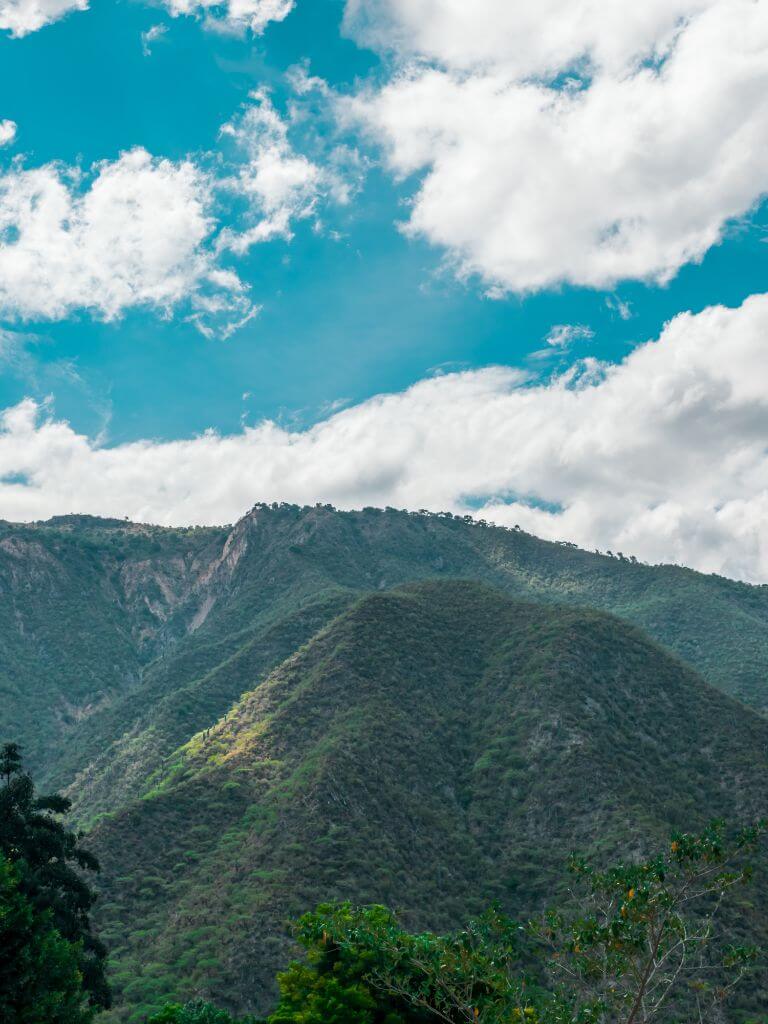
x=431 y=748
x=118 y=641
x=411 y=708
x=85 y=605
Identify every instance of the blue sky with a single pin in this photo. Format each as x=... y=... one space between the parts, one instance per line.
x=341 y=319
x=351 y=305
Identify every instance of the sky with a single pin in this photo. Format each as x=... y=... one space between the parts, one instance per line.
x=492 y=258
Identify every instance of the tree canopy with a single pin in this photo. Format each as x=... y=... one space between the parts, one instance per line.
x=638 y=944
x=197 y=1011
x=45 y=891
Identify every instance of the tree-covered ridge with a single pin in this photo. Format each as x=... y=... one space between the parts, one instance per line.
x=636 y=942
x=432 y=748
x=84 y=606
x=256 y=718
x=118 y=642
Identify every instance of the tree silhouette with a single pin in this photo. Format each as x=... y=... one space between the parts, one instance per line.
x=49 y=865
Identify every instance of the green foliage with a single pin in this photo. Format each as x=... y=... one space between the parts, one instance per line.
x=214 y=699
x=83 y=605
x=196 y=1012
x=642 y=943
x=474 y=974
x=40 y=980
x=333 y=986
x=434 y=749
x=49 y=863
x=362 y=965
x=636 y=947
x=102 y=635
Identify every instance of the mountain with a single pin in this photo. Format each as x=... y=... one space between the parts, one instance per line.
x=85 y=605
x=119 y=641
x=432 y=747
x=404 y=707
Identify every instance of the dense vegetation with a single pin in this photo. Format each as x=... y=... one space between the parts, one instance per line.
x=637 y=943
x=432 y=749
x=117 y=640
x=51 y=964
x=315 y=705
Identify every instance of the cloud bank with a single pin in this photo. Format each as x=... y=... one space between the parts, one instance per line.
x=662 y=456
x=574 y=141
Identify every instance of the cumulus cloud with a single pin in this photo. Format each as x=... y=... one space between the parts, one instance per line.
x=135 y=235
x=7 y=132
x=585 y=143
x=146 y=231
x=527 y=40
x=234 y=15
x=20 y=17
x=280 y=185
x=662 y=455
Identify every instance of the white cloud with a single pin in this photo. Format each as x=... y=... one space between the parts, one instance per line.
x=280 y=185
x=618 y=306
x=563 y=335
x=153 y=34
x=526 y=39
x=20 y=17
x=627 y=171
x=136 y=235
x=234 y=15
x=7 y=132
x=662 y=456
x=147 y=231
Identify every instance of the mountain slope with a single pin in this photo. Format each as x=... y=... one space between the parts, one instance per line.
x=84 y=605
x=431 y=748
x=120 y=641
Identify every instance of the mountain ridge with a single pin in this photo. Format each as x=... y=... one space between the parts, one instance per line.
x=136 y=615
x=403 y=707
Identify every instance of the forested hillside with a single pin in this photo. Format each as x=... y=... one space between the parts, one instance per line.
x=119 y=641
x=408 y=708
x=433 y=748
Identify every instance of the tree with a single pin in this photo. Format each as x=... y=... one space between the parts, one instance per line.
x=196 y=1012
x=645 y=940
x=619 y=954
x=345 y=949
x=40 y=980
x=472 y=975
x=49 y=863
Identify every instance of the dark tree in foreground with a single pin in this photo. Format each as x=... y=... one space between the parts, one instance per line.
x=48 y=866
x=40 y=979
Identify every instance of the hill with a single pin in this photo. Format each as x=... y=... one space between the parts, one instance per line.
x=432 y=747
x=118 y=641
